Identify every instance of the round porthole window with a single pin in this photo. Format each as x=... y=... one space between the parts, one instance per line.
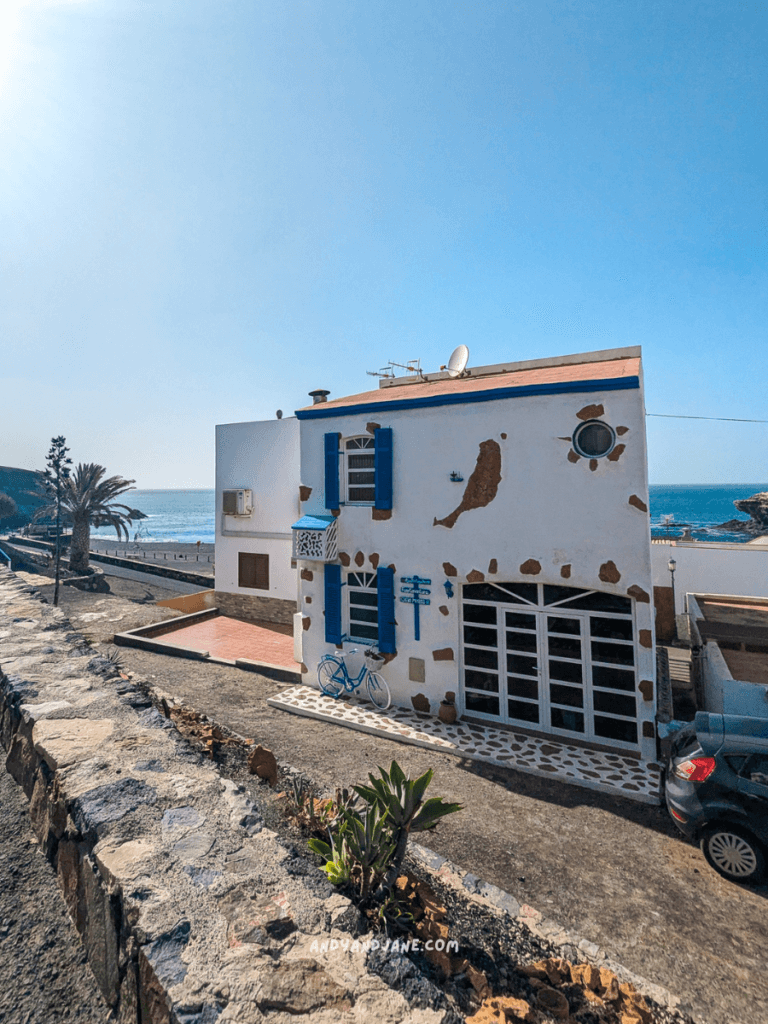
x=594 y=439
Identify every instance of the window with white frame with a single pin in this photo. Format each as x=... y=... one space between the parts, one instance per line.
x=359 y=470
x=362 y=607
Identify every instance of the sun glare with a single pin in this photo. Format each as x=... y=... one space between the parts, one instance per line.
x=10 y=11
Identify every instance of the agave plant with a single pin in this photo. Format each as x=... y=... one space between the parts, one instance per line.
x=402 y=801
x=338 y=859
x=360 y=848
x=300 y=803
x=368 y=846
x=336 y=807
x=370 y=843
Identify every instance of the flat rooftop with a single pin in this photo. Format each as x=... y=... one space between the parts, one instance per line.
x=618 y=367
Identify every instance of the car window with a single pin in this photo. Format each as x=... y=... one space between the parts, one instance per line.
x=756 y=769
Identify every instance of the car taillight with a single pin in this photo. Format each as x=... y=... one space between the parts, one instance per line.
x=696 y=769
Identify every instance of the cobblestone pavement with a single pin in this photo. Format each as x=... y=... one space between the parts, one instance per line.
x=44 y=978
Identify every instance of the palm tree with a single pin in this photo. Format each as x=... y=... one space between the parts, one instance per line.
x=89 y=500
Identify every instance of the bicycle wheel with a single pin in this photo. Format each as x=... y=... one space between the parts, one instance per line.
x=329 y=676
x=378 y=691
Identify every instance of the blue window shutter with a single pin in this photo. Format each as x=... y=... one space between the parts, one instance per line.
x=333 y=634
x=385 y=584
x=383 y=464
x=332 y=470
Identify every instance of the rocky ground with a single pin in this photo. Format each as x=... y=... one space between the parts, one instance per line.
x=44 y=977
x=99 y=616
x=614 y=871
x=484 y=972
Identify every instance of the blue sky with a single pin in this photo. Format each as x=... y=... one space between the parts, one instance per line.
x=211 y=207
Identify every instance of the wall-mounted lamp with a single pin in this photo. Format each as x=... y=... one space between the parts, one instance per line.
x=456 y=477
x=448 y=588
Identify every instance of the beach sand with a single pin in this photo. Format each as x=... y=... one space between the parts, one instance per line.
x=182 y=556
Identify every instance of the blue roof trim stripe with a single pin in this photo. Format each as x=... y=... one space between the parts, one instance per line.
x=313 y=523
x=566 y=388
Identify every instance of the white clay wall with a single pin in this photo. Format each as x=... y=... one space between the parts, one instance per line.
x=706 y=568
x=570 y=519
x=262 y=456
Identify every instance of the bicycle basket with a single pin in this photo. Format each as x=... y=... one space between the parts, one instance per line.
x=373 y=660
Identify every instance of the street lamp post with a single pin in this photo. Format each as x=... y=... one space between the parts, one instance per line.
x=672 y=565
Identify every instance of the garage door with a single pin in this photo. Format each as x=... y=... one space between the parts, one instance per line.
x=554 y=659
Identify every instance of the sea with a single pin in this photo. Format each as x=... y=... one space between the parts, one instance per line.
x=181 y=516
x=187 y=516
x=700 y=506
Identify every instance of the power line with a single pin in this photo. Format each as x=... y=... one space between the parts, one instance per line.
x=720 y=419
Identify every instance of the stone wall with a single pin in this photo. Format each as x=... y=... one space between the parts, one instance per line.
x=255 y=609
x=189 y=909
x=27 y=560
x=31 y=561
x=152 y=568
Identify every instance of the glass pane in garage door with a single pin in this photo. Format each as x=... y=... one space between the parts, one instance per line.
x=565 y=664
x=481 y=660
x=523 y=670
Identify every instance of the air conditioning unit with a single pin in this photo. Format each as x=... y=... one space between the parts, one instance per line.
x=237 y=503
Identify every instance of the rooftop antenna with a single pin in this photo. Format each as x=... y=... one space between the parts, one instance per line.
x=385 y=371
x=457 y=363
x=412 y=368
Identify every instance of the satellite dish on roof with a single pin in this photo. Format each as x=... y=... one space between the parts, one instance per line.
x=458 y=361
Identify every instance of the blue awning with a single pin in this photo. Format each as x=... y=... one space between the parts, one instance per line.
x=314 y=523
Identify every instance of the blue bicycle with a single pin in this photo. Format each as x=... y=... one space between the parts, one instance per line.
x=334 y=678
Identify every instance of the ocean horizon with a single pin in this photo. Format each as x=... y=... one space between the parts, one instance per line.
x=186 y=515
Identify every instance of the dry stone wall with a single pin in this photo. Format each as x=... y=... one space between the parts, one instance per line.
x=190 y=910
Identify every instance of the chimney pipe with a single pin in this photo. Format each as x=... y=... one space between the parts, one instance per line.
x=319 y=396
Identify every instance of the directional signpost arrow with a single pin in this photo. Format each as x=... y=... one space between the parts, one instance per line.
x=415 y=594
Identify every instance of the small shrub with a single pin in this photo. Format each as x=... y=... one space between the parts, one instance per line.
x=367 y=847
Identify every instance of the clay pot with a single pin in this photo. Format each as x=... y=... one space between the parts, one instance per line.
x=447 y=712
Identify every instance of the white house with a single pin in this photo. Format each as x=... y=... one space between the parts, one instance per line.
x=257 y=499
x=513 y=501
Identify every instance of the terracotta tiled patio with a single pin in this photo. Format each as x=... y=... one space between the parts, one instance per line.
x=231 y=639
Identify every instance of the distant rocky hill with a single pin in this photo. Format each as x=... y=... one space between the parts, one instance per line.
x=756 y=508
x=19 y=484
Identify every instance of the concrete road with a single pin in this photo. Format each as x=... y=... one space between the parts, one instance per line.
x=176 y=586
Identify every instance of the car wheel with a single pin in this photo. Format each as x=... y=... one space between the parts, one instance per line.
x=733 y=853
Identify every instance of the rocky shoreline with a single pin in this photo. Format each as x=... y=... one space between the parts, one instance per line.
x=756 y=507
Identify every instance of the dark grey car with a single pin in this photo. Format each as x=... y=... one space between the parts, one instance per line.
x=717 y=791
